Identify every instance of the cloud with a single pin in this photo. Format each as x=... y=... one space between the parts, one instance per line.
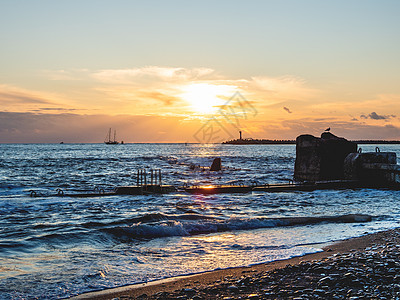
x=290 y=129
x=141 y=100
x=57 y=109
x=375 y=116
x=127 y=76
x=287 y=109
x=22 y=100
x=91 y=128
x=76 y=128
x=139 y=89
x=283 y=88
x=66 y=75
x=144 y=95
x=20 y=97
x=159 y=96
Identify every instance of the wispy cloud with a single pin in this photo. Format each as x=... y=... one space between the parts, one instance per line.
x=347 y=129
x=21 y=100
x=140 y=86
x=129 y=76
x=66 y=75
x=287 y=109
x=162 y=97
x=16 y=96
x=165 y=82
x=284 y=88
x=375 y=116
x=75 y=128
x=158 y=90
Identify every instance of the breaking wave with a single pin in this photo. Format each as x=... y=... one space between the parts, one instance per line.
x=181 y=226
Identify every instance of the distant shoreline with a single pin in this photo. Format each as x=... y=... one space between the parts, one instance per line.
x=293 y=142
x=231 y=142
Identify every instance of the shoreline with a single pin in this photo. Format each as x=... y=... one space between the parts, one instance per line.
x=202 y=282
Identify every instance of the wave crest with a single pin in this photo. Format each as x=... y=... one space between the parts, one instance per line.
x=197 y=226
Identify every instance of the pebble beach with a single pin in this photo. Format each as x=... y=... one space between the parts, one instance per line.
x=366 y=267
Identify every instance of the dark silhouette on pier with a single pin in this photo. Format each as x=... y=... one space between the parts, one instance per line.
x=251 y=141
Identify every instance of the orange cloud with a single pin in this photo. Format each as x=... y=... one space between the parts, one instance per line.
x=22 y=100
x=161 y=98
x=76 y=128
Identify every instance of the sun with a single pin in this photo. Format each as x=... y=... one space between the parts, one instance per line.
x=206 y=98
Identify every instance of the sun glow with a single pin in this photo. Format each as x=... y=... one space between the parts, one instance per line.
x=208 y=187
x=205 y=98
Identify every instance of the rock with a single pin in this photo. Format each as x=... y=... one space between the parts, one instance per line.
x=319 y=292
x=369 y=274
x=189 y=291
x=216 y=164
x=325 y=280
x=233 y=289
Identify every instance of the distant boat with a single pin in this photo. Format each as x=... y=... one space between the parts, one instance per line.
x=109 y=141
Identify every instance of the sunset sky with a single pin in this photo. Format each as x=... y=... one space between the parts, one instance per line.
x=198 y=71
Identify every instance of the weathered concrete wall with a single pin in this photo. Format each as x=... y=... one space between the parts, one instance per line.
x=374 y=168
x=307 y=166
x=321 y=158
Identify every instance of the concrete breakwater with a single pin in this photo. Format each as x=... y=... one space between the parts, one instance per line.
x=328 y=162
x=333 y=158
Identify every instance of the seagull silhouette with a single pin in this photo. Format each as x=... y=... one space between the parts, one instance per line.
x=328 y=129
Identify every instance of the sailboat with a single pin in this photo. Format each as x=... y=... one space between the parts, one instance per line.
x=108 y=140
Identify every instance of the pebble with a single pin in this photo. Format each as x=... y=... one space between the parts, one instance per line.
x=360 y=274
x=233 y=288
x=189 y=291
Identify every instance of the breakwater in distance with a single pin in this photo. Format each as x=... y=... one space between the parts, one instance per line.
x=55 y=247
x=293 y=142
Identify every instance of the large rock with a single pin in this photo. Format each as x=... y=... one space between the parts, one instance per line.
x=216 y=164
x=321 y=158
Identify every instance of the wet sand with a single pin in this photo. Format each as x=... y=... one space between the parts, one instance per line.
x=359 y=268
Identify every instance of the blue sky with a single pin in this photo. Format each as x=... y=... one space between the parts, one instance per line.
x=325 y=60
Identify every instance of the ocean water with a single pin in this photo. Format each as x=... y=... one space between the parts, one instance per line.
x=59 y=246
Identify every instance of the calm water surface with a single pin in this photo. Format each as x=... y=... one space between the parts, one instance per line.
x=56 y=247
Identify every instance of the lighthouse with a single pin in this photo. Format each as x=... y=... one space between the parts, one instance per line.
x=240 y=134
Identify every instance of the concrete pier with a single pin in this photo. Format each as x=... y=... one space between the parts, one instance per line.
x=328 y=162
x=144 y=189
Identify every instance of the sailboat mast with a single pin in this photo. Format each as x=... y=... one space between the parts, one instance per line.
x=109 y=140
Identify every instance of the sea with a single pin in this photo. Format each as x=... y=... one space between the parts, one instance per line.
x=54 y=246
